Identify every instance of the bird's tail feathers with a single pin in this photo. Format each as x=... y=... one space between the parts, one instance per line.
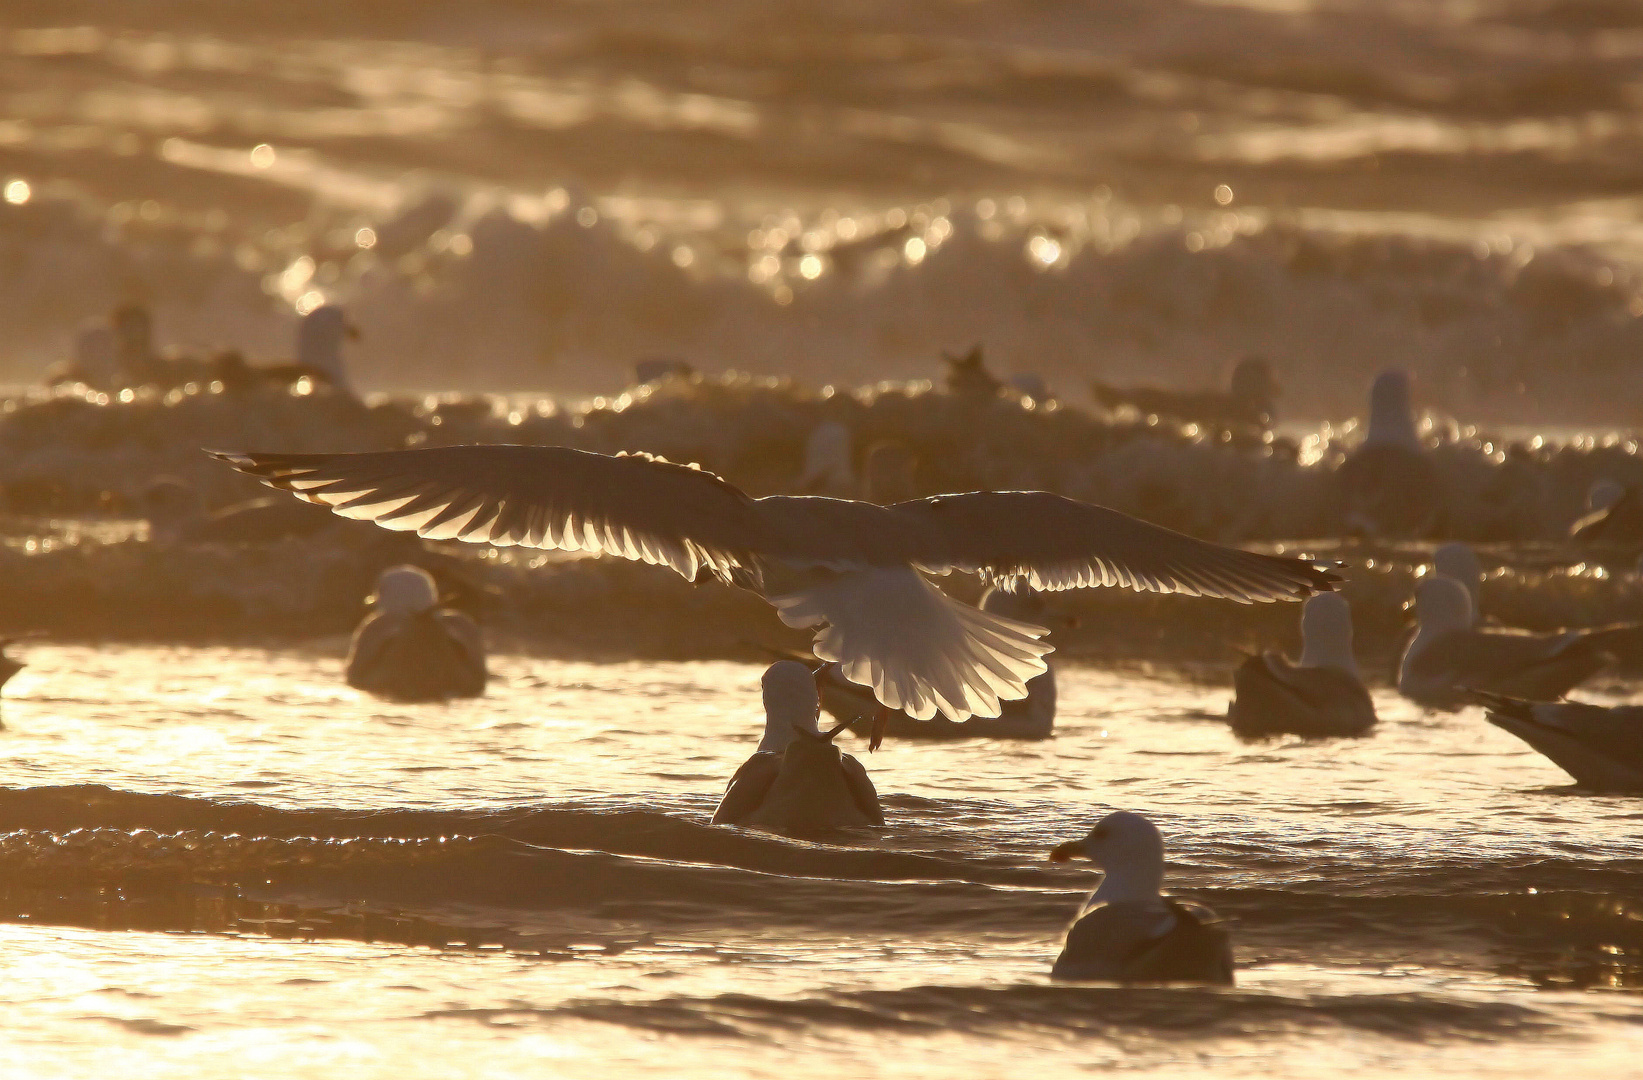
x=917 y=648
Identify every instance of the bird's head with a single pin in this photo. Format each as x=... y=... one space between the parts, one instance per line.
x=1442 y=604
x=405 y=590
x=1121 y=838
x=791 y=704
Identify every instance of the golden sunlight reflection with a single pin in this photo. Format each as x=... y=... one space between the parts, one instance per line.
x=288 y=794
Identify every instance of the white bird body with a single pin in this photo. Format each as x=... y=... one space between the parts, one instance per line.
x=1031 y=717
x=853 y=569
x=1128 y=930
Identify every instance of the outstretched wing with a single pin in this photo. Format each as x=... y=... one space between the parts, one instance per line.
x=632 y=505
x=1053 y=542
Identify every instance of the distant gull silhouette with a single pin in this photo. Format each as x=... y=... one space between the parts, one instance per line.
x=1615 y=520
x=411 y=649
x=852 y=569
x=1602 y=748
x=1389 y=483
x=1320 y=696
x=1247 y=404
x=1128 y=931
x=797 y=781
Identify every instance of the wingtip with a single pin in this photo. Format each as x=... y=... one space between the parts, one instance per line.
x=235 y=458
x=1500 y=704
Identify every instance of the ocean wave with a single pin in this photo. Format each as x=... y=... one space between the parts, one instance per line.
x=524 y=878
x=1029 y=1011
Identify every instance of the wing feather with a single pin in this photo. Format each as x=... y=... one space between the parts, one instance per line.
x=630 y=505
x=1053 y=543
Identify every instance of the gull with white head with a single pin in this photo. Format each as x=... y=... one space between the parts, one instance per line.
x=411 y=649
x=797 y=781
x=320 y=337
x=1389 y=484
x=1614 y=517
x=1247 y=405
x=1318 y=697
x=1450 y=656
x=854 y=570
x=1128 y=930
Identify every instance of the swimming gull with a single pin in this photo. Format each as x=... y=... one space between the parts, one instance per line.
x=1388 y=483
x=854 y=570
x=797 y=781
x=176 y=514
x=1247 y=404
x=1128 y=931
x=1602 y=748
x=1614 y=520
x=1320 y=696
x=411 y=649
x=1449 y=656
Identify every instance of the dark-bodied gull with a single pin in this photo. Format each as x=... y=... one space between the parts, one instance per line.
x=1389 y=484
x=9 y=666
x=854 y=570
x=797 y=781
x=1318 y=697
x=1128 y=931
x=1450 y=656
x=411 y=649
x=1247 y=405
x=1602 y=748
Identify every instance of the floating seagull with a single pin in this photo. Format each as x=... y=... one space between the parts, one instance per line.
x=320 y=338
x=1449 y=656
x=1388 y=483
x=1127 y=931
x=854 y=570
x=410 y=649
x=1318 y=697
x=797 y=781
x=1614 y=520
x=1247 y=404
x=1602 y=748
x=1032 y=717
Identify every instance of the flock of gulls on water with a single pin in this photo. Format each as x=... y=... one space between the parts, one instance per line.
x=892 y=653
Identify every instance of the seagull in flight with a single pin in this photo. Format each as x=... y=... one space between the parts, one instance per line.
x=855 y=571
